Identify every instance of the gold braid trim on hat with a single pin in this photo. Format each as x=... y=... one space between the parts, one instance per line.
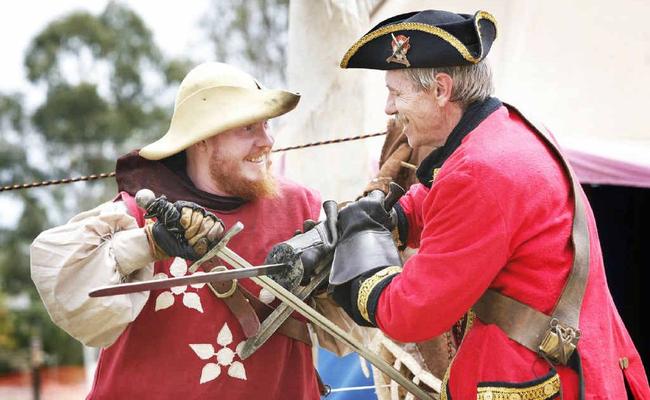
x=369 y=284
x=418 y=26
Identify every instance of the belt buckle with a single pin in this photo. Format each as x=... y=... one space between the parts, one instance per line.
x=227 y=293
x=559 y=342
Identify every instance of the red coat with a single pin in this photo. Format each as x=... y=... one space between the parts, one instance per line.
x=181 y=352
x=499 y=215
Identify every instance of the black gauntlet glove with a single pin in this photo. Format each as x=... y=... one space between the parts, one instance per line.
x=306 y=250
x=183 y=229
x=365 y=247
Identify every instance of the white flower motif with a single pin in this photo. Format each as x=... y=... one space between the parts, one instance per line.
x=224 y=337
x=225 y=357
x=204 y=351
x=210 y=371
x=166 y=299
x=237 y=370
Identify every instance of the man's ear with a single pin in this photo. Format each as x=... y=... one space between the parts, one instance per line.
x=444 y=87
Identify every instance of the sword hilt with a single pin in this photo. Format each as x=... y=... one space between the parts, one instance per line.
x=395 y=192
x=161 y=209
x=144 y=198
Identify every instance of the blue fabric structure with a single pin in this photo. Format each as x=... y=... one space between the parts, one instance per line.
x=344 y=372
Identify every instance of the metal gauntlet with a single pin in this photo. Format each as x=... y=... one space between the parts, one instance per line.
x=306 y=250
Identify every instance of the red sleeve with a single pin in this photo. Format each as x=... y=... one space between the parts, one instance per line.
x=314 y=200
x=463 y=245
x=411 y=204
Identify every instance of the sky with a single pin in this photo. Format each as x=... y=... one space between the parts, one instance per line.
x=175 y=25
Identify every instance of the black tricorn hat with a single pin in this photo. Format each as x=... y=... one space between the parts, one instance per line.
x=424 y=39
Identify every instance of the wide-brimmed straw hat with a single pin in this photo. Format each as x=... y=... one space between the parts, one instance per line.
x=213 y=98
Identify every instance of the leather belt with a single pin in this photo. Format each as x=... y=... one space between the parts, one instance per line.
x=555 y=336
x=249 y=310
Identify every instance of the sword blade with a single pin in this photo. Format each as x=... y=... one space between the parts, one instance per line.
x=207 y=277
x=283 y=311
x=316 y=318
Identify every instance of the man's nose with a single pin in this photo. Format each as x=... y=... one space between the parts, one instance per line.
x=263 y=137
x=390 y=108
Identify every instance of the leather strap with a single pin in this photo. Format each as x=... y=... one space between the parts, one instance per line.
x=292 y=328
x=522 y=323
x=238 y=305
x=249 y=310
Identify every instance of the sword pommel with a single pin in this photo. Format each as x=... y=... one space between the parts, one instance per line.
x=144 y=198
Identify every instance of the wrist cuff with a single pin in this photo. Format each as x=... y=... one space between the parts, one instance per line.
x=370 y=289
x=131 y=250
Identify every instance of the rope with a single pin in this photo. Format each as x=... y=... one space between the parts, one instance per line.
x=302 y=146
x=112 y=174
x=58 y=181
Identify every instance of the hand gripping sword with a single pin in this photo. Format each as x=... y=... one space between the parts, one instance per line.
x=227 y=255
x=272 y=322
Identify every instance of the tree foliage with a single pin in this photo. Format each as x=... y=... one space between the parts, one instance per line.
x=106 y=88
x=95 y=69
x=252 y=34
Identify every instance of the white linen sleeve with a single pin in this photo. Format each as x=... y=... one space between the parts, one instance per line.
x=99 y=247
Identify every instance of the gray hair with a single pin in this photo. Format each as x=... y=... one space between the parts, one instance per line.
x=471 y=82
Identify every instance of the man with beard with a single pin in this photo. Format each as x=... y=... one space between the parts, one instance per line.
x=507 y=243
x=214 y=164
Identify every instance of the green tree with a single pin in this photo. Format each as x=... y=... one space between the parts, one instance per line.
x=251 y=34
x=95 y=70
x=107 y=91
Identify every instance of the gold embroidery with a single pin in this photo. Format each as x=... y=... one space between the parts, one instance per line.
x=369 y=284
x=470 y=321
x=540 y=391
x=418 y=26
x=624 y=363
x=434 y=174
x=445 y=379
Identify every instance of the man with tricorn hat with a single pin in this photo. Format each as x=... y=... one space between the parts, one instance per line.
x=507 y=241
x=213 y=165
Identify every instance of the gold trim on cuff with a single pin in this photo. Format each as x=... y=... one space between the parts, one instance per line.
x=369 y=284
x=540 y=391
x=418 y=26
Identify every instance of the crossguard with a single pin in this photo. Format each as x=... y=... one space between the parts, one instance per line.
x=214 y=252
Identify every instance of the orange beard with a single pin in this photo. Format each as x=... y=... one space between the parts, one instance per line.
x=226 y=173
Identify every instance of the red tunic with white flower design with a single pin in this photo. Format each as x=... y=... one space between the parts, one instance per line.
x=498 y=215
x=183 y=344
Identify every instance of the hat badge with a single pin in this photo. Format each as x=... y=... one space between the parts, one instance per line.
x=401 y=46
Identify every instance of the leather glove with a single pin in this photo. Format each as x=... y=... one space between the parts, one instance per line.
x=183 y=229
x=373 y=205
x=365 y=247
x=306 y=249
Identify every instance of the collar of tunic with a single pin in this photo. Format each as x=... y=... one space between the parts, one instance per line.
x=475 y=113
